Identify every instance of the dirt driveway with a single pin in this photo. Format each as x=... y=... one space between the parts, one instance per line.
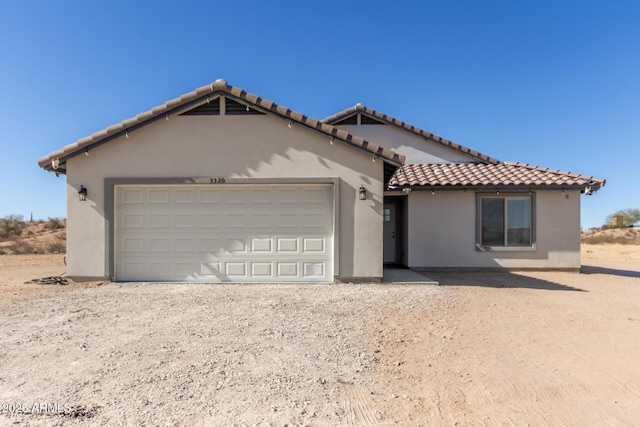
x=485 y=349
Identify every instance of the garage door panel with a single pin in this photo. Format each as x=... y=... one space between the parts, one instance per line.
x=287 y=244
x=313 y=221
x=288 y=269
x=313 y=269
x=210 y=269
x=209 y=196
x=286 y=196
x=236 y=221
x=218 y=233
x=187 y=245
x=236 y=196
x=209 y=220
x=133 y=220
x=261 y=196
x=211 y=246
x=133 y=245
x=314 y=245
x=158 y=196
x=184 y=220
x=315 y=197
x=184 y=196
x=260 y=221
x=133 y=268
x=236 y=269
x=132 y=196
x=262 y=245
x=184 y=269
x=158 y=221
x=158 y=269
x=159 y=244
x=262 y=269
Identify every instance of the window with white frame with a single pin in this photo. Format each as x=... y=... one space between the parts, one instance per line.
x=505 y=221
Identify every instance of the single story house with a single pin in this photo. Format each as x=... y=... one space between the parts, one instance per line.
x=222 y=185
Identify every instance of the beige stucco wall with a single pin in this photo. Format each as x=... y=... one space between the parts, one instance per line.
x=254 y=147
x=416 y=148
x=443 y=232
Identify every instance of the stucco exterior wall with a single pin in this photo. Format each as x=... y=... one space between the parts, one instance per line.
x=416 y=148
x=253 y=147
x=443 y=232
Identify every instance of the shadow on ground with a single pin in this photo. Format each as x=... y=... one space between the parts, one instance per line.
x=591 y=269
x=499 y=280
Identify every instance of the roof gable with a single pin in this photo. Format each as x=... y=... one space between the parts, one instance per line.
x=339 y=118
x=56 y=160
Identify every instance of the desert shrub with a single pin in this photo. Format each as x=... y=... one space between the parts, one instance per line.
x=606 y=238
x=37 y=250
x=54 y=223
x=56 y=247
x=11 y=225
x=23 y=248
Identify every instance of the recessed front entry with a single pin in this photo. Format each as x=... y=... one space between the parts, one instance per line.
x=222 y=233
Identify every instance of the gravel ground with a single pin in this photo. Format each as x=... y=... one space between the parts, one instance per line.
x=196 y=354
x=483 y=349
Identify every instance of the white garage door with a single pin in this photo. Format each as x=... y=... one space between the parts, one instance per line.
x=220 y=233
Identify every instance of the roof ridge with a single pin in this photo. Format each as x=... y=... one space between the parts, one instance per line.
x=220 y=85
x=411 y=128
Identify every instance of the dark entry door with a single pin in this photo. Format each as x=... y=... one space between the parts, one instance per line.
x=390 y=233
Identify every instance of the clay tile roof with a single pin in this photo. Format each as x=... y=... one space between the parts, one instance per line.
x=490 y=175
x=218 y=87
x=359 y=108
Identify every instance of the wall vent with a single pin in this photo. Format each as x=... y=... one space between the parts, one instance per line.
x=233 y=108
x=351 y=120
x=366 y=120
x=211 y=108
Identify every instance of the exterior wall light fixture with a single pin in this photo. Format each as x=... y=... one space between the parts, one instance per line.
x=82 y=194
x=362 y=193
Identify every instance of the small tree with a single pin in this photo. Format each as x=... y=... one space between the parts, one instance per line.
x=623 y=218
x=11 y=225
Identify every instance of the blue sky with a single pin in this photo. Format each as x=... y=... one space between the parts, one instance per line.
x=551 y=83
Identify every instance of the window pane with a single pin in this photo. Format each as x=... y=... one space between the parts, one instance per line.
x=492 y=222
x=519 y=221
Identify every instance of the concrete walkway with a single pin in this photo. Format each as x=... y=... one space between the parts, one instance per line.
x=404 y=275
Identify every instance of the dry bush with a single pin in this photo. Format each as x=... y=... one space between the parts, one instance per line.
x=631 y=237
x=57 y=247
x=37 y=237
x=22 y=247
x=54 y=223
x=598 y=239
x=11 y=225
